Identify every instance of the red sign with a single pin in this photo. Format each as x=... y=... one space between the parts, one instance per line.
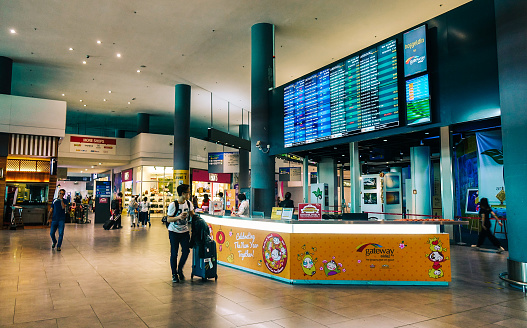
x=127 y=175
x=99 y=141
x=309 y=211
x=103 y=200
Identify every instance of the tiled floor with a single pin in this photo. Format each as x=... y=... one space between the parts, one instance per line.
x=121 y=278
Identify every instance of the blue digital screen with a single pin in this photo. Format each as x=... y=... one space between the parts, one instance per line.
x=357 y=95
x=418 y=100
x=415 y=51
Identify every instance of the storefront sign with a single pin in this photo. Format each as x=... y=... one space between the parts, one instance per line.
x=181 y=177
x=93 y=145
x=224 y=162
x=309 y=211
x=204 y=176
x=127 y=175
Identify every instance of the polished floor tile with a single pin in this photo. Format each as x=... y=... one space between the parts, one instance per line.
x=121 y=278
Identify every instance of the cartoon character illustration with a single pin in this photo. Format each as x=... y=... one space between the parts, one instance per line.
x=274 y=252
x=436 y=256
x=230 y=258
x=436 y=245
x=436 y=274
x=332 y=268
x=308 y=265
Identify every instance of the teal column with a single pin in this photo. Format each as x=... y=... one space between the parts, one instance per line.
x=143 y=123
x=262 y=80
x=420 y=166
x=244 y=159
x=327 y=173
x=6 y=75
x=182 y=134
x=512 y=69
x=354 y=177
x=305 y=179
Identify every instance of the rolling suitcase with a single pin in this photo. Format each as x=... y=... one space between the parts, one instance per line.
x=204 y=262
x=108 y=224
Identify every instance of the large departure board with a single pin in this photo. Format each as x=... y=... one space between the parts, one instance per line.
x=356 y=95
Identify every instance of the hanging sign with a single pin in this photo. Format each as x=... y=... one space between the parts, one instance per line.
x=92 y=145
x=224 y=162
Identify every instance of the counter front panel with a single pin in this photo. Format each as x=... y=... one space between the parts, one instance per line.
x=334 y=257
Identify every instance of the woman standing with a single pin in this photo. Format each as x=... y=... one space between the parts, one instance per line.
x=485 y=211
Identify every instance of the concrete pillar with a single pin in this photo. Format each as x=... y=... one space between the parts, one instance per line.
x=119 y=133
x=511 y=16
x=182 y=134
x=262 y=79
x=305 y=179
x=355 y=177
x=447 y=178
x=143 y=123
x=244 y=159
x=327 y=173
x=6 y=75
x=421 y=185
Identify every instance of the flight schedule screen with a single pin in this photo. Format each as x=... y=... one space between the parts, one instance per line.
x=353 y=96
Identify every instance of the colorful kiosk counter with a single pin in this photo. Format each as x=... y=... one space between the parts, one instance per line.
x=335 y=252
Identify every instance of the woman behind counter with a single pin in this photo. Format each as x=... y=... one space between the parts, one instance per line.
x=243 y=209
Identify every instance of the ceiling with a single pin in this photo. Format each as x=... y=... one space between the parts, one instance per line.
x=205 y=44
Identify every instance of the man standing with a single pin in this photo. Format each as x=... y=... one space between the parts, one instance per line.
x=178 y=231
x=57 y=215
x=117 y=207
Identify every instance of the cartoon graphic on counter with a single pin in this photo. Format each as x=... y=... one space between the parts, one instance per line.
x=308 y=261
x=274 y=253
x=331 y=268
x=436 y=256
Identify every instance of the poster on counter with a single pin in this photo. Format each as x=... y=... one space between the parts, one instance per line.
x=92 y=145
x=309 y=211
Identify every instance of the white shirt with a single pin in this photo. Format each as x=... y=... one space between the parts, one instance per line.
x=179 y=226
x=243 y=209
x=145 y=206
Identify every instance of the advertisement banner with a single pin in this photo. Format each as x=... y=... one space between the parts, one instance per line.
x=127 y=175
x=490 y=162
x=181 y=177
x=309 y=211
x=415 y=51
x=79 y=144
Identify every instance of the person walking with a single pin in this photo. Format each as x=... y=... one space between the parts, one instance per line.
x=57 y=216
x=485 y=211
x=178 y=230
x=132 y=210
x=144 y=209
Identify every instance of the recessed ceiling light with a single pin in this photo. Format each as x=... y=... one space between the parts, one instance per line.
x=84 y=105
x=118 y=55
x=427 y=132
x=138 y=71
x=85 y=169
x=63 y=95
x=92 y=166
x=343 y=155
x=100 y=163
x=104 y=100
x=84 y=62
x=80 y=100
x=385 y=140
x=13 y=31
x=128 y=103
x=70 y=49
x=109 y=91
x=99 y=42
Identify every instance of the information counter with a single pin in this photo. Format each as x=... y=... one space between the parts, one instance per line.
x=335 y=252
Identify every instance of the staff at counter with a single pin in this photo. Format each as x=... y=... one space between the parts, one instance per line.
x=243 y=209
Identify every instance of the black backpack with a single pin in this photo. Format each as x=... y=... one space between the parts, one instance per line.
x=176 y=204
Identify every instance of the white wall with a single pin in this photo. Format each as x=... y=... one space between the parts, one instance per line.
x=73 y=187
x=26 y=115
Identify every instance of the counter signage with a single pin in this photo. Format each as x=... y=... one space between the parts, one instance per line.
x=287 y=213
x=93 y=145
x=276 y=213
x=309 y=211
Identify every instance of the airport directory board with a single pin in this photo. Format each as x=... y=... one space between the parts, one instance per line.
x=356 y=95
x=417 y=100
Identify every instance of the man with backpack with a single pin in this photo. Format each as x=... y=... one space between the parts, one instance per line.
x=178 y=215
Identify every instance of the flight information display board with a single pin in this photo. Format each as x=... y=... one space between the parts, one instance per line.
x=418 y=100
x=356 y=95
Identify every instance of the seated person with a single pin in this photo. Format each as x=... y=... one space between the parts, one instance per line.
x=287 y=202
x=205 y=203
x=243 y=209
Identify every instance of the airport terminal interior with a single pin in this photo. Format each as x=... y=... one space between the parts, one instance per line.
x=340 y=153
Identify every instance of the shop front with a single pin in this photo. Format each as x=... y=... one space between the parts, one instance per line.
x=211 y=184
x=335 y=252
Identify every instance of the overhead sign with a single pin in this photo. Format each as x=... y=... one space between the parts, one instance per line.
x=127 y=175
x=290 y=174
x=415 y=51
x=224 y=162
x=92 y=145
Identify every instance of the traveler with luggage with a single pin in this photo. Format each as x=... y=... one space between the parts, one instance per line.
x=117 y=209
x=178 y=215
x=204 y=257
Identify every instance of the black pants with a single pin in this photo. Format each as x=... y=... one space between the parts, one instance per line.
x=486 y=233
x=175 y=240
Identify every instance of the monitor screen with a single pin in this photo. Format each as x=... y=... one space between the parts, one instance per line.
x=356 y=95
x=418 y=100
x=415 y=51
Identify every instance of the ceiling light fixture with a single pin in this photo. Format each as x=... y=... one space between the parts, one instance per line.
x=100 y=163
x=70 y=49
x=104 y=100
x=128 y=103
x=427 y=132
x=99 y=42
x=109 y=91
x=118 y=55
x=84 y=105
x=84 y=62
x=385 y=140
x=13 y=31
x=138 y=71
x=63 y=95
x=80 y=100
